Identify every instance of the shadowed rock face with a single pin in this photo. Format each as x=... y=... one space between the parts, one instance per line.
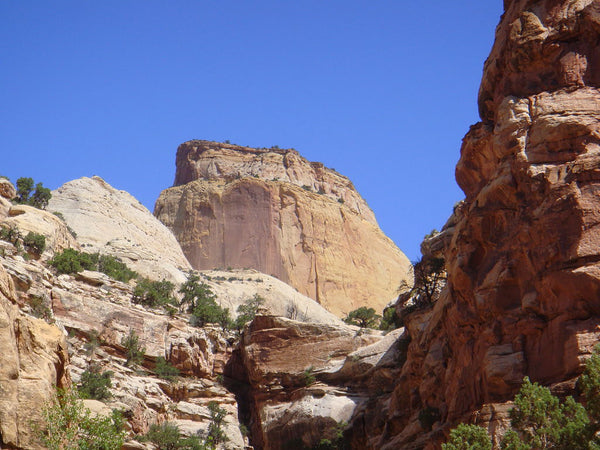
x=276 y=212
x=523 y=261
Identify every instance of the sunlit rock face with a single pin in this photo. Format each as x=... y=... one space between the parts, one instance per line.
x=523 y=260
x=113 y=222
x=276 y=212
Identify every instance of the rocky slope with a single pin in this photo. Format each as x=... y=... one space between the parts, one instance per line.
x=522 y=250
x=272 y=210
x=115 y=223
x=89 y=314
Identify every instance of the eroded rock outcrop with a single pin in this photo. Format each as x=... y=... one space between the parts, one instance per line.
x=113 y=222
x=96 y=312
x=306 y=380
x=34 y=361
x=274 y=211
x=523 y=255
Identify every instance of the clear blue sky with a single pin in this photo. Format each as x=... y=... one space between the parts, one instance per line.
x=381 y=90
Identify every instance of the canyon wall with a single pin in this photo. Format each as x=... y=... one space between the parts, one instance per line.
x=276 y=212
x=522 y=253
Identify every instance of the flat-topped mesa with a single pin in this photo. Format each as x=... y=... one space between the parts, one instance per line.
x=274 y=211
x=208 y=160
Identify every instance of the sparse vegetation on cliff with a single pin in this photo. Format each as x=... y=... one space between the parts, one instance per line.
x=540 y=420
x=363 y=317
x=247 y=311
x=201 y=303
x=134 y=351
x=71 y=261
x=26 y=194
x=154 y=293
x=95 y=383
x=165 y=370
x=35 y=242
x=69 y=425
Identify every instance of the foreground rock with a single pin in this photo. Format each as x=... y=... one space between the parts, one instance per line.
x=274 y=211
x=34 y=361
x=307 y=380
x=523 y=257
x=113 y=222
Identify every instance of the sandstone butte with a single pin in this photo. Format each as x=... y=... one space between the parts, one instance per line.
x=276 y=212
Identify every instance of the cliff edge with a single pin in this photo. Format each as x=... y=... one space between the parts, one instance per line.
x=276 y=212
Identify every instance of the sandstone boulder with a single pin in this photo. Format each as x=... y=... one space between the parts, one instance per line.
x=7 y=190
x=29 y=219
x=302 y=388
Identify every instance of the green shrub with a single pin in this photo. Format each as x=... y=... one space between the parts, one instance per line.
x=334 y=440
x=69 y=425
x=115 y=268
x=166 y=436
x=134 y=352
x=10 y=234
x=201 y=303
x=154 y=293
x=363 y=317
x=95 y=384
x=468 y=437
x=164 y=369
x=216 y=435
x=308 y=376
x=390 y=320
x=247 y=311
x=35 y=243
x=71 y=261
x=40 y=197
x=540 y=420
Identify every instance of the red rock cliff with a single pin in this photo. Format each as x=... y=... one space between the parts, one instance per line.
x=523 y=262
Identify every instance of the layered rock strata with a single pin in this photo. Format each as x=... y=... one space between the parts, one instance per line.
x=274 y=211
x=34 y=361
x=94 y=313
x=306 y=380
x=523 y=257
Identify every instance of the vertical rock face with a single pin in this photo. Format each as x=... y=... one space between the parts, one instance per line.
x=34 y=359
x=274 y=211
x=523 y=262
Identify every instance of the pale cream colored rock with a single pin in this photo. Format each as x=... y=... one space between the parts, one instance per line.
x=326 y=250
x=235 y=287
x=110 y=221
x=29 y=219
x=97 y=408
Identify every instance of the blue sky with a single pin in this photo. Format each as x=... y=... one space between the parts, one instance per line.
x=382 y=91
